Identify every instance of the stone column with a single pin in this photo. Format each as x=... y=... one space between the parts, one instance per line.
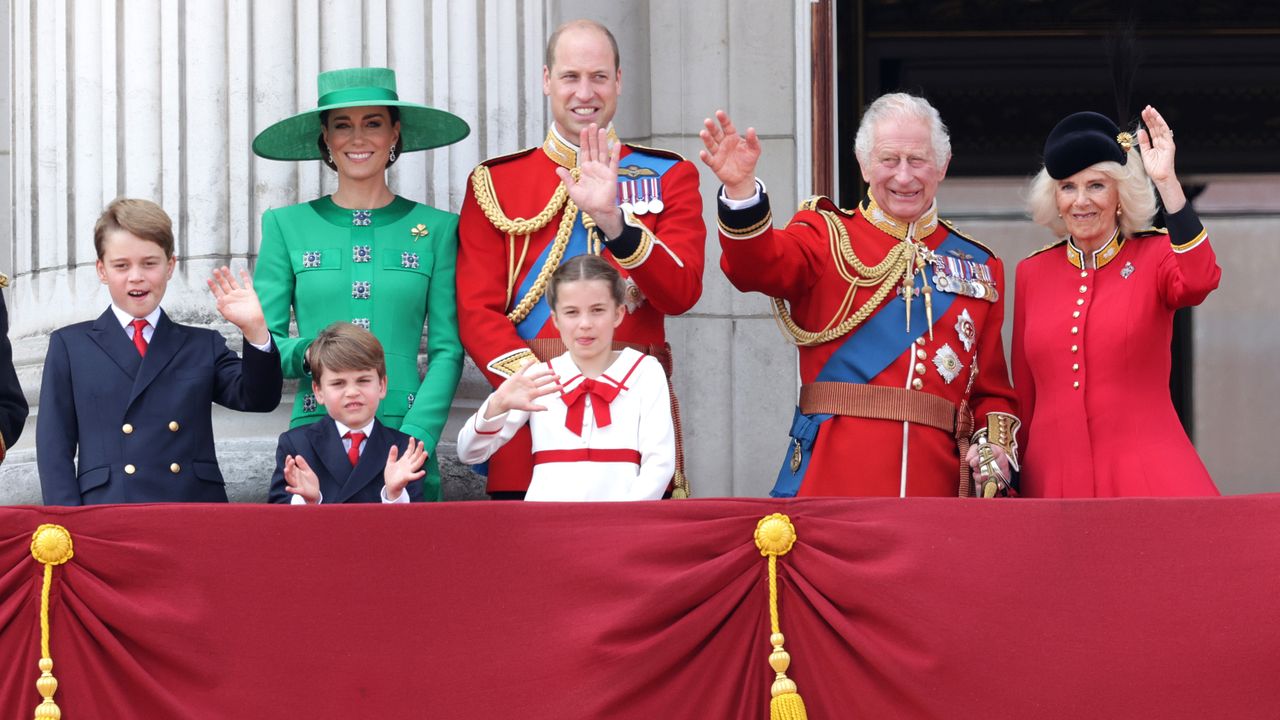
x=155 y=99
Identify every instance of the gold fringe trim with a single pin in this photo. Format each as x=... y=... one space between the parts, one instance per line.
x=487 y=199
x=50 y=545
x=881 y=275
x=774 y=536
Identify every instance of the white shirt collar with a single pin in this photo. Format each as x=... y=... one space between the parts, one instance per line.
x=343 y=429
x=125 y=319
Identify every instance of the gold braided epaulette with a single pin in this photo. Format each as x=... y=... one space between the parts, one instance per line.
x=822 y=202
x=1050 y=246
x=951 y=226
x=510 y=156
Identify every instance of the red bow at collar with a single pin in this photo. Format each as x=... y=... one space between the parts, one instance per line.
x=576 y=399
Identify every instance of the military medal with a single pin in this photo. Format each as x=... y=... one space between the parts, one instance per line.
x=641 y=198
x=624 y=198
x=948 y=363
x=655 y=202
x=639 y=191
x=967 y=331
x=959 y=274
x=632 y=296
x=1127 y=270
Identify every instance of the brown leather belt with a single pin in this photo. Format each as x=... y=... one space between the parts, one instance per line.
x=878 y=403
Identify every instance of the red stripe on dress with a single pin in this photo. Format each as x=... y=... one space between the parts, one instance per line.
x=588 y=455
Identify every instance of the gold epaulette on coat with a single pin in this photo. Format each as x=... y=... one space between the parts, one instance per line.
x=1050 y=246
x=4 y=283
x=1151 y=232
x=508 y=157
x=951 y=226
x=822 y=202
x=656 y=151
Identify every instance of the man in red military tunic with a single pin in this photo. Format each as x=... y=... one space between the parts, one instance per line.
x=897 y=316
x=581 y=191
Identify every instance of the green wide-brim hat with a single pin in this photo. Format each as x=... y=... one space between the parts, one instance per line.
x=421 y=127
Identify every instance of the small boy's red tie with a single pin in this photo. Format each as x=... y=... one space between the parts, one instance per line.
x=139 y=341
x=353 y=453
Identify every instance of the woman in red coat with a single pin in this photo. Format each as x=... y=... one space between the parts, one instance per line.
x=1093 y=316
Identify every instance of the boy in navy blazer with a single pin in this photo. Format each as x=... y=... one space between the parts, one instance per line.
x=132 y=391
x=348 y=456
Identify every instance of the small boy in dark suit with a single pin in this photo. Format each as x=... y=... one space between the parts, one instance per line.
x=348 y=456
x=132 y=391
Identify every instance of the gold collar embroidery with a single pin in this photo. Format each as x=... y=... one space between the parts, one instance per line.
x=920 y=229
x=565 y=153
x=1101 y=256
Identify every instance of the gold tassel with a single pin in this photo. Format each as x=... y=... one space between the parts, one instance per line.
x=774 y=536
x=50 y=545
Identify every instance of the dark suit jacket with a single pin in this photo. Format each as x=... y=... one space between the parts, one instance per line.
x=320 y=444
x=13 y=405
x=143 y=426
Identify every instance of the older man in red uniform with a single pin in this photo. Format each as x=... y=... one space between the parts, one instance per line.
x=581 y=191
x=897 y=315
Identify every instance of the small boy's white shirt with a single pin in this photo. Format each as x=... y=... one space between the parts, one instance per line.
x=346 y=445
x=153 y=317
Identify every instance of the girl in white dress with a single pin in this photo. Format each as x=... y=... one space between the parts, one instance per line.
x=600 y=418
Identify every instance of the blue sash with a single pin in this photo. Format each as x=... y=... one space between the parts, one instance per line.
x=866 y=353
x=529 y=327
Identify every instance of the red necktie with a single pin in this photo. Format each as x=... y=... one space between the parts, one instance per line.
x=602 y=394
x=353 y=453
x=139 y=341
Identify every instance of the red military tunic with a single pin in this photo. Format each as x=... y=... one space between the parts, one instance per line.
x=1091 y=364
x=661 y=254
x=802 y=264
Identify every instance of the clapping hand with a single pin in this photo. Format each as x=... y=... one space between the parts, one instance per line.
x=300 y=479
x=239 y=304
x=732 y=157
x=595 y=191
x=519 y=391
x=403 y=469
x=1156 y=144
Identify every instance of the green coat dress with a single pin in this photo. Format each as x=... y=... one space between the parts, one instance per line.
x=387 y=270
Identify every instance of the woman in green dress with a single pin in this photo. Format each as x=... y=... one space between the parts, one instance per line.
x=363 y=254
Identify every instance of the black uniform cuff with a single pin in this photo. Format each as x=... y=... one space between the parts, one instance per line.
x=1184 y=225
x=626 y=244
x=745 y=222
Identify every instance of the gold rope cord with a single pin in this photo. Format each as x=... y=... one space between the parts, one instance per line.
x=50 y=545
x=486 y=198
x=774 y=536
x=897 y=263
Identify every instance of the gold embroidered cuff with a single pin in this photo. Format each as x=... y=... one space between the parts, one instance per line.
x=641 y=254
x=510 y=363
x=749 y=231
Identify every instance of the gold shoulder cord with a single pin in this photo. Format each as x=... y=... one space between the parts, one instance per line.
x=486 y=198
x=897 y=263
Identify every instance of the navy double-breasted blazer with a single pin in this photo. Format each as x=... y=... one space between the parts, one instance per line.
x=142 y=425
x=320 y=444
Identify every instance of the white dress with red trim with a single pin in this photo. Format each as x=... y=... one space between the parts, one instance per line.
x=608 y=438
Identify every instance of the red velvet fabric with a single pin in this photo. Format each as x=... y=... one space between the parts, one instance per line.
x=918 y=608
